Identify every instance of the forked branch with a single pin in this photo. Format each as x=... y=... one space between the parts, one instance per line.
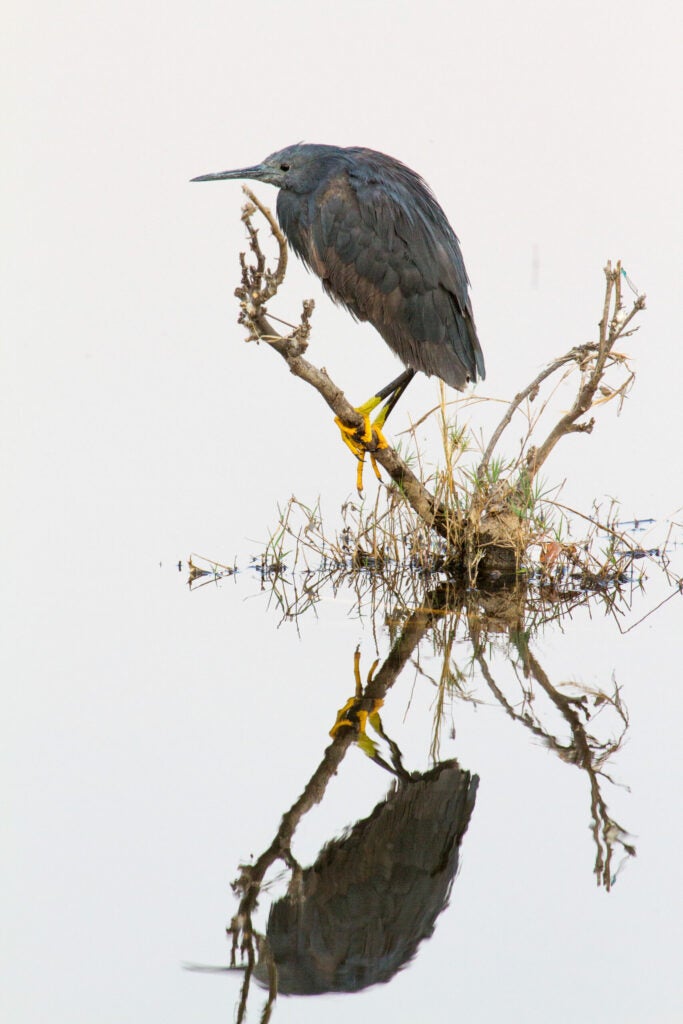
x=257 y=287
x=259 y=284
x=592 y=360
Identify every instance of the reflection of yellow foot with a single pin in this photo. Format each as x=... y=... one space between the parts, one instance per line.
x=355 y=715
x=368 y=439
x=358 y=708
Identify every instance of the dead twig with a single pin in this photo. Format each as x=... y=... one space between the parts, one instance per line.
x=257 y=287
x=613 y=326
x=488 y=518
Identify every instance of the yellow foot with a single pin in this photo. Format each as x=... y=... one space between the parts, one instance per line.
x=368 y=438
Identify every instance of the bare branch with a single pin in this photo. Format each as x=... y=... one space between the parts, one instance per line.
x=577 y=354
x=612 y=328
x=481 y=525
x=258 y=285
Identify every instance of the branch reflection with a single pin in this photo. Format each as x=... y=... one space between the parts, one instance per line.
x=356 y=915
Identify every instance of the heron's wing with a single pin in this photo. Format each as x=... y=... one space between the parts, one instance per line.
x=390 y=261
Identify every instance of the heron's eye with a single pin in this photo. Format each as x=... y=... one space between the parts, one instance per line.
x=284 y=167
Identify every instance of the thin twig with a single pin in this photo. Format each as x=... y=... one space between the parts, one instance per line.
x=577 y=354
x=258 y=285
x=611 y=329
x=485 y=523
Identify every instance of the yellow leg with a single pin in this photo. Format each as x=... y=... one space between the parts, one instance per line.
x=368 y=439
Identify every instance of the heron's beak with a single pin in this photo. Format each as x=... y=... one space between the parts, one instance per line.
x=259 y=173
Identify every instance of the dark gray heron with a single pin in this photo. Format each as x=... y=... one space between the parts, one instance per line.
x=372 y=231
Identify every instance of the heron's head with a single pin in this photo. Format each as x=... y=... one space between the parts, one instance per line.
x=298 y=168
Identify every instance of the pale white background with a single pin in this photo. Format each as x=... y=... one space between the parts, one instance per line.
x=142 y=724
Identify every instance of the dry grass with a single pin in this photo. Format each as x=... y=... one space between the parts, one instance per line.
x=467 y=516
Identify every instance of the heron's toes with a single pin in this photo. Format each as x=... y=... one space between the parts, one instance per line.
x=358 y=440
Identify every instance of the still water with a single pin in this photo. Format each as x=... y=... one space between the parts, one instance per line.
x=422 y=802
x=473 y=810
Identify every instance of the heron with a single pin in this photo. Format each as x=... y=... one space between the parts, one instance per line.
x=372 y=230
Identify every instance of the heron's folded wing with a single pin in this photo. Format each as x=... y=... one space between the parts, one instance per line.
x=383 y=258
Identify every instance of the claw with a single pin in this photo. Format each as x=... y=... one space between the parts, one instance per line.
x=368 y=439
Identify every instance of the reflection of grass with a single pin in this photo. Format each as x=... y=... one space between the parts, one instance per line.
x=572 y=740
x=483 y=648
x=383 y=556
x=386 y=550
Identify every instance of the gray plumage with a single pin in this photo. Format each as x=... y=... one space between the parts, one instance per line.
x=374 y=894
x=373 y=232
